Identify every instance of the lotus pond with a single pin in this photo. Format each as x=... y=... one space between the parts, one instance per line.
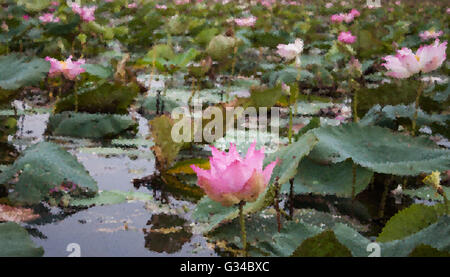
x=224 y=128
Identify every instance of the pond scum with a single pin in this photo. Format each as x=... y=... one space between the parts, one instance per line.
x=224 y=128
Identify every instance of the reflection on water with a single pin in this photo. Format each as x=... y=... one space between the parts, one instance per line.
x=127 y=229
x=168 y=233
x=122 y=230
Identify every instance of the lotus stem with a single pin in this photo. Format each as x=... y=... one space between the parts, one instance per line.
x=353 y=187
x=233 y=68
x=158 y=97
x=193 y=90
x=153 y=70
x=446 y=202
x=243 y=231
x=290 y=124
x=291 y=198
x=354 y=102
x=387 y=182
x=277 y=204
x=355 y=107
x=57 y=99
x=299 y=75
x=353 y=180
x=441 y=192
x=416 y=111
x=76 y=97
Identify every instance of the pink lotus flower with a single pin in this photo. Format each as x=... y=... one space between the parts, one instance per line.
x=86 y=13
x=329 y=5
x=347 y=17
x=132 y=5
x=290 y=51
x=161 y=7
x=430 y=34
x=48 y=18
x=26 y=17
x=233 y=179
x=246 y=22
x=338 y=18
x=355 y=13
x=267 y=3
x=406 y=63
x=181 y=2
x=55 y=67
x=346 y=37
x=70 y=69
x=431 y=57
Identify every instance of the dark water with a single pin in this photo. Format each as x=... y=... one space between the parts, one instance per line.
x=127 y=229
x=100 y=231
x=148 y=228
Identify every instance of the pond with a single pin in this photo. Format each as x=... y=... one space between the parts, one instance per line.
x=211 y=128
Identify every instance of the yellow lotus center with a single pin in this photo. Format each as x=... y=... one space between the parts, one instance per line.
x=63 y=64
x=417 y=58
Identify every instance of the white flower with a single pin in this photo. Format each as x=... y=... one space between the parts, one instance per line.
x=290 y=51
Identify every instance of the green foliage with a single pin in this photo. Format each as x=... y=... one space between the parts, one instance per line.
x=288 y=75
x=110 y=198
x=63 y=29
x=295 y=233
x=106 y=98
x=409 y=221
x=211 y=213
x=427 y=193
x=289 y=158
x=6 y=96
x=18 y=70
x=34 y=5
x=324 y=244
x=42 y=167
x=99 y=71
x=327 y=163
x=329 y=179
x=15 y=242
x=166 y=150
x=270 y=39
x=259 y=226
x=166 y=60
x=8 y=126
x=169 y=102
x=423 y=250
x=94 y=126
x=284 y=243
x=393 y=116
x=220 y=47
x=435 y=235
x=205 y=36
x=379 y=150
x=264 y=97
x=403 y=92
x=313 y=123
